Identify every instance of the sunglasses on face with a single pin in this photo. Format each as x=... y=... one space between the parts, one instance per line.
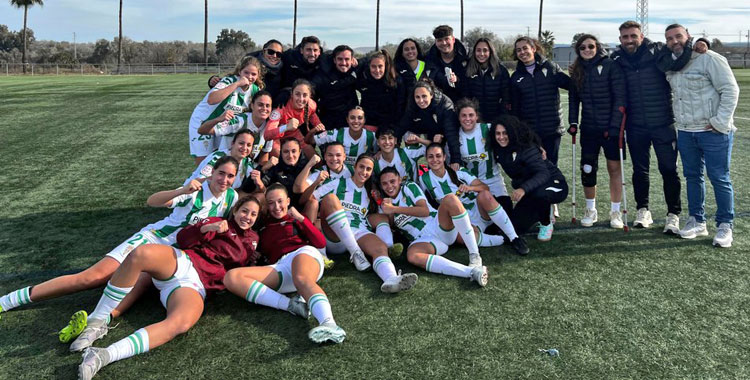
x=584 y=47
x=273 y=52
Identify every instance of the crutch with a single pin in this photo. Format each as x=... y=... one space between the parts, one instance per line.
x=622 y=141
x=573 y=129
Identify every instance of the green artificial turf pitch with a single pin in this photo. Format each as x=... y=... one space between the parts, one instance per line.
x=80 y=155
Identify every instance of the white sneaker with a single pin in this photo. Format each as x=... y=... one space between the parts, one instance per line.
x=399 y=283
x=480 y=275
x=327 y=333
x=590 y=216
x=298 y=306
x=693 y=228
x=615 y=220
x=723 y=236
x=475 y=260
x=360 y=261
x=93 y=360
x=643 y=218
x=95 y=329
x=672 y=225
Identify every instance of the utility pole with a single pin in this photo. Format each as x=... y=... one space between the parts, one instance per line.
x=528 y=31
x=748 y=39
x=75 y=49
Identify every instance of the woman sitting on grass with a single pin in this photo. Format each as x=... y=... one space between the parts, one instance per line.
x=183 y=278
x=289 y=242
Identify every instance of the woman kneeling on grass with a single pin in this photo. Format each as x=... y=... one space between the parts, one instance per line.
x=183 y=278
x=290 y=243
x=430 y=232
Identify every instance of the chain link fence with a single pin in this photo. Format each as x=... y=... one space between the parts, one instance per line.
x=112 y=69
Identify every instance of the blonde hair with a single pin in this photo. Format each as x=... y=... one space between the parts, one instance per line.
x=247 y=61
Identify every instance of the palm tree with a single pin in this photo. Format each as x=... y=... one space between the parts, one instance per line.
x=205 y=33
x=377 y=27
x=25 y=4
x=294 y=31
x=119 y=41
x=539 y=34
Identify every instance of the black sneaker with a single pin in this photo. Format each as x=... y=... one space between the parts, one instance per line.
x=519 y=244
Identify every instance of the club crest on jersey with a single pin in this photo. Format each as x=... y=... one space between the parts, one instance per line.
x=434 y=117
x=275 y=115
x=544 y=71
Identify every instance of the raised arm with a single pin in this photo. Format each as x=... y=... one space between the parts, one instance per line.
x=164 y=198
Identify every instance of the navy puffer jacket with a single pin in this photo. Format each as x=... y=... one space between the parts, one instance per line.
x=602 y=95
x=296 y=67
x=491 y=89
x=526 y=167
x=439 y=118
x=436 y=69
x=535 y=98
x=336 y=93
x=272 y=77
x=383 y=105
x=649 y=95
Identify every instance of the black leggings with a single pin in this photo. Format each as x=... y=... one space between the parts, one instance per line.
x=535 y=206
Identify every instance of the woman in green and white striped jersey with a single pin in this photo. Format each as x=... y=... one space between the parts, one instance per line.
x=355 y=138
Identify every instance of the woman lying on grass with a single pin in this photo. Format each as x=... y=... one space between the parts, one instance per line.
x=183 y=278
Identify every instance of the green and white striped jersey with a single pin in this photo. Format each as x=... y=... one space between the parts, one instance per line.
x=192 y=208
x=354 y=199
x=353 y=148
x=206 y=168
x=226 y=130
x=478 y=161
x=404 y=160
x=411 y=226
x=439 y=187
x=346 y=172
x=238 y=101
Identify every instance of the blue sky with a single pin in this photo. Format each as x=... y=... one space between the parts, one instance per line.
x=353 y=22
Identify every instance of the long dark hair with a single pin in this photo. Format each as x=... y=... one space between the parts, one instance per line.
x=372 y=205
x=534 y=43
x=304 y=124
x=474 y=66
x=425 y=83
x=399 y=57
x=451 y=173
x=390 y=71
x=387 y=170
x=520 y=136
x=577 y=72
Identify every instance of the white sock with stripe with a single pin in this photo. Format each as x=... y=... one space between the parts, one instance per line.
x=133 y=344
x=486 y=240
x=439 y=264
x=383 y=231
x=340 y=226
x=466 y=230
x=501 y=219
x=112 y=297
x=321 y=308
x=384 y=268
x=16 y=298
x=262 y=295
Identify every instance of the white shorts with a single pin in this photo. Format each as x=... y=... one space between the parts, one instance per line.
x=497 y=186
x=142 y=237
x=284 y=267
x=476 y=217
x=338 y=247
x=184 y=277
x=437 y=236
x=200 y=145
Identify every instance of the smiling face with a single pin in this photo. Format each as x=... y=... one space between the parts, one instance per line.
x=362 y=171
x=390 y=183
x=587 y=49
x=387 y=143
x=467 y=116
x=422 y=97
x=246 y=215
x=410 y=52
x=343 y=61
x=631 y=39
x=445 y=44
x=435 y=158
x=482 y=52
x=525 y=52
x=261 y=107
x=676 y=39
x=335 y=157
x=290 y=152
x=250 y=72
x=278 y=203
x=242 y=146
x=311 y=52
x=356 y=119
x=501 y=136
x=300 y=96
x=222 y=178
x=377 y=68
x=272 y=53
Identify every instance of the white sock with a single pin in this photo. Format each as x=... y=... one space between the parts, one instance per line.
x=439 y=264
x=383 y=231
x=615 y=206
x=591 y=204
x=321 y=308
x=16 y=298
x=501 y=219
x=134 y=344
x=340 y=226
x=466 y=230
x=384 y=268
x=490 y=240
x=323 y=252
x=262 y=295
x=111 y=297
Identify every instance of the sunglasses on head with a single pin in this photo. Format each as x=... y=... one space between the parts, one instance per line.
x=273 y=52
x=584 y=47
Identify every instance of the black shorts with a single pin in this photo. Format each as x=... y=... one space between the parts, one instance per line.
x=594 y=141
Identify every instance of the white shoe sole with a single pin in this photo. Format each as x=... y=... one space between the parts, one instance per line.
x=720 y=245
x=694 y=235
x=671 y=231
x=584 y=224
x=642 y=224
x=408 y=280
